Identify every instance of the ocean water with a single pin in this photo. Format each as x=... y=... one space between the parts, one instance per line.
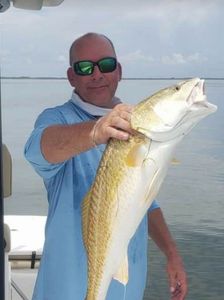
x=192 y=196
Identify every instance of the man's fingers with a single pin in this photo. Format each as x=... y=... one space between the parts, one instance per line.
x=124 y=112
x=175 y=291
x=120 y=123
x=178 y=290
x=118 y=134
x=125 y=115
x=116 y=125
x=124 y=107
x=172 y=284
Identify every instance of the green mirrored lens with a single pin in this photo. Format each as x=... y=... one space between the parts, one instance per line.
x=84 y=67
x=107 y=65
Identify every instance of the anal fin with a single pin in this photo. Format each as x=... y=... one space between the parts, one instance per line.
x=122 y=273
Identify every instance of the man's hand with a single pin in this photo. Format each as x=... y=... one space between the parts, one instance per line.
x=115 y=124
x=160 y=234
x=177 y=278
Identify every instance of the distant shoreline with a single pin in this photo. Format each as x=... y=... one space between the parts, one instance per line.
x=125 y=78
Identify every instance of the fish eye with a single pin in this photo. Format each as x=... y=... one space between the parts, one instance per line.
x=177 y=88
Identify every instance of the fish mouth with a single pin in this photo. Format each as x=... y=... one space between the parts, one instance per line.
x=197 y=99
x=204 y=105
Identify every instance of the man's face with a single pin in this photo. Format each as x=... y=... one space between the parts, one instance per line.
x=97 y=88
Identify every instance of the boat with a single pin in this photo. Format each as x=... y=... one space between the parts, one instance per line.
x=21 y=237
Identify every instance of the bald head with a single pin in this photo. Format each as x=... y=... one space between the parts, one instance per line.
x=87 y=40
x=99 y=87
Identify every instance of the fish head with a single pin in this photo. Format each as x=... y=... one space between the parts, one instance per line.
x=173 y=111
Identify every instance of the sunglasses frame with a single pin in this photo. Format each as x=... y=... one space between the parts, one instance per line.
x=76 y=68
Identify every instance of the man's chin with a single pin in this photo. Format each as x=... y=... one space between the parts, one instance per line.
x=102 y=103
x=102 y=100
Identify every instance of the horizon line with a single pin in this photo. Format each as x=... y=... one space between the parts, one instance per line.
x=124 y=78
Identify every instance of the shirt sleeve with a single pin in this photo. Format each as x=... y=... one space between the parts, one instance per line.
x=32 y=150
x=153 y=206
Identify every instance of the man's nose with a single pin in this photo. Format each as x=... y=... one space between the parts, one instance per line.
x=97 y=73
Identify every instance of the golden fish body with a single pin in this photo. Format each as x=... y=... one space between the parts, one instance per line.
x=118 y=195
x=129 y=177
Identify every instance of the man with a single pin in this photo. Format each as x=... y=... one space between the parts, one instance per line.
x=65 y=148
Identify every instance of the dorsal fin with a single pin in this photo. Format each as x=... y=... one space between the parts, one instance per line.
x=85 y=216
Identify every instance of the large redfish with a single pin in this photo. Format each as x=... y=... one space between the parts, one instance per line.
x=130 y=175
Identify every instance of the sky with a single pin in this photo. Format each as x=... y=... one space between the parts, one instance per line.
x=153 y=38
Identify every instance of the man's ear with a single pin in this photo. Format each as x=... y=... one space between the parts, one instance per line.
x=71 y=76
x=119 y=71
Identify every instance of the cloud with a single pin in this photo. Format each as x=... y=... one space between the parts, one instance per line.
x=175 y=58
x=178 y=58
x=136 y=56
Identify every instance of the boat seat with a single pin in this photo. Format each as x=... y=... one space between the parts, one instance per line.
x=24 y=235
x=27 y=238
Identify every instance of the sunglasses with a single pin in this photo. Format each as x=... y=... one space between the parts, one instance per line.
x=86 y=67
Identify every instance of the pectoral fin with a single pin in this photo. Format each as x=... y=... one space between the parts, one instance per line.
x=175 y=161
x=136 y=155
x=122 y=273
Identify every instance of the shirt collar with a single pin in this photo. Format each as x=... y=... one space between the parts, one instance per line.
x=91 y=108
